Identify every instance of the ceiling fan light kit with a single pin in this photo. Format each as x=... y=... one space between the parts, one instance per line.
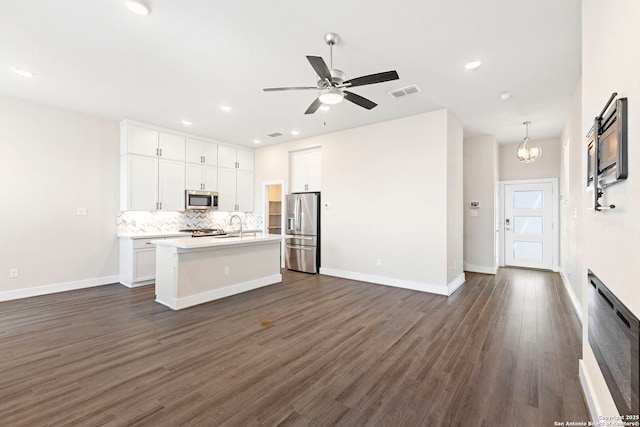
x=138 y=7
x=331 y=96
x=333 y=82
x=528 y=154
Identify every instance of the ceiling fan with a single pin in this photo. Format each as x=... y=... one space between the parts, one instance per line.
x=332 y=83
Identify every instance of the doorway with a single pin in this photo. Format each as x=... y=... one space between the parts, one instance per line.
x=529 y=223
x=273 y=214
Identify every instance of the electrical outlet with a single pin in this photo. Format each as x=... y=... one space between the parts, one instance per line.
x=13 y=273
x=226 y=271
x=378 y=262
x=81 y=211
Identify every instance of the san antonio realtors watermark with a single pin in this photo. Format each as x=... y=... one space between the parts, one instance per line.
x=604 y=421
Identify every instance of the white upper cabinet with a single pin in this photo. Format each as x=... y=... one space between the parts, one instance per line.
x=201 y=177
x=139 y=140
x=152 y=170
x=245 y=160
x=233 y=158
x=157 y=166
x=201 y=167
x=202 y=152
x=305 y=167
x=226 y=157
x=235 y=190
x=171 y=147
x=150 y=142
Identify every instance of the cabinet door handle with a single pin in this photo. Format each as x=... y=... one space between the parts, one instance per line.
x=201 y=159
x=160 y=205
x=157 y=151
x=161 y=152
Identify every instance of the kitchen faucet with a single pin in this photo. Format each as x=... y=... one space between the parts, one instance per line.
x=240 y=219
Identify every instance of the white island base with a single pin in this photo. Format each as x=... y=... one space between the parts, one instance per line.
x=193 y=271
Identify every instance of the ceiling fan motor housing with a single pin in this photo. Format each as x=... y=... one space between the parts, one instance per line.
x=337 y=76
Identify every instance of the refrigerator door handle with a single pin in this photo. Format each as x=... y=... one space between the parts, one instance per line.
x=294 y=220
x=299 y=217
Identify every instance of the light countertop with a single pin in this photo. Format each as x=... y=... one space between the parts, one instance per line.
x=212 y=241
x=157 y=234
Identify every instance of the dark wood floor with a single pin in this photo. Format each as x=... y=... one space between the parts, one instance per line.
x=502 y=351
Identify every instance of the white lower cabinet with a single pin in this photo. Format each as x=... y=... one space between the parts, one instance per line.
x=137 y=261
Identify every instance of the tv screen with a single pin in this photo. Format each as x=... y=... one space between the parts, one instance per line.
x=610 y=145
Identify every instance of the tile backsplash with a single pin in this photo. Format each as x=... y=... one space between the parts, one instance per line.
x=134 y=222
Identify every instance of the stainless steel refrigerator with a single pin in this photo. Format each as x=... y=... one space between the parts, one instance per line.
x=302 y=242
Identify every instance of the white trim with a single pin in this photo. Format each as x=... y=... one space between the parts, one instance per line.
x=191 y=300
x=556 y=217
x=572 y=295
x=57 y=287
x=587 y=386
x=398 y=283
x=265 y=215
x=138 y=284
x=480 y=269
x=455 y=284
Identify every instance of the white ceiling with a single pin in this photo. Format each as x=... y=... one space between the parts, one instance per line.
x=188 y=57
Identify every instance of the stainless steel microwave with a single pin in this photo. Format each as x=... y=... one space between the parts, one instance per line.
x=200 y=199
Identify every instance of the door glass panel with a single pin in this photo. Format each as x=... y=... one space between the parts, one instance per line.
x=527 y=199
x=527 y=225
x=531 y=251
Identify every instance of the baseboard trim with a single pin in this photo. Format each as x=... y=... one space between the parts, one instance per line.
x=585 y=382
x=455 y=284
x=395 y=282
x=57 y=287
x=572 y=295
x=214 y=294
x=480 y=269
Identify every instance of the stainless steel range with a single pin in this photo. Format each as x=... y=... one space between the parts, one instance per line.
x=204 y=232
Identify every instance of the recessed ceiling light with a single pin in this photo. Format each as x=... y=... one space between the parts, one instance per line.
x=324 y=107
x=187 y=122
x=22 y=73
x=256 y=141
x=473 y=65
x=505 y=96
x=295 y=132
x=225 y=108
x=138 y=7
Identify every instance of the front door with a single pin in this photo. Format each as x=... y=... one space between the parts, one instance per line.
x=529 y=225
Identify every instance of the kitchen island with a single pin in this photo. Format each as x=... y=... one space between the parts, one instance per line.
x=191 y=271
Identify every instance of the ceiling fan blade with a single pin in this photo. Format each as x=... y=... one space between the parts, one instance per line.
x=314 y=106
x=372 y=78
x=320 y=67
x=359 y=100
x=273 y=89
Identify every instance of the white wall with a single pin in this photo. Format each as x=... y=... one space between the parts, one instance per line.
x=547 y=166
x=455 y=224
x=571 y=202
x=610 y=63
x=53 y=162
x=480 y=177
x=386 y=185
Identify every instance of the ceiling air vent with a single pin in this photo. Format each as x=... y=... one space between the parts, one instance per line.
x=274 y=134
x=403 y=91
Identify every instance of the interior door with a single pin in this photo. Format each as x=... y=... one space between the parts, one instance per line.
x=528 y=225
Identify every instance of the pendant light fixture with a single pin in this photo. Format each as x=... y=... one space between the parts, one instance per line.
x=528 y=154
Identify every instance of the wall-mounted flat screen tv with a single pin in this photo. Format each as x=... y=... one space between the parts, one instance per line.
x=609 y=143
